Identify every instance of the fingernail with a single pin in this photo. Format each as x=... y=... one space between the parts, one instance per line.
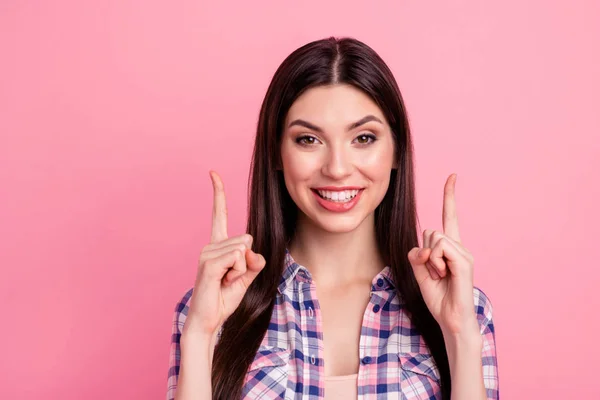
x=419 y=253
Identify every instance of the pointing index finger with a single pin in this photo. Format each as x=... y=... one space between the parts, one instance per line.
x=219 y=224
x=449 y=215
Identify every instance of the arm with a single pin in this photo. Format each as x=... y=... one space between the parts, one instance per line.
x=227 y=267
x=472 y=356
x=190 y=361
x=196 y=366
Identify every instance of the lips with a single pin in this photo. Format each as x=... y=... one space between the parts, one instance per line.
x=338 y=188
x=341 y=196
x=336 y=206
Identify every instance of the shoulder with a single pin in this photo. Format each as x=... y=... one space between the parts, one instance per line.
x=483 y=309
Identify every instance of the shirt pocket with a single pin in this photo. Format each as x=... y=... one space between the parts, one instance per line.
x=419 y=376
x=268 y=374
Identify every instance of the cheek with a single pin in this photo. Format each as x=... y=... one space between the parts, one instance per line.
x=377 y=165
x=300 y=166
x=296 y=171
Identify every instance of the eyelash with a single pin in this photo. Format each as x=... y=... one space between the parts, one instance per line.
x=366 y=135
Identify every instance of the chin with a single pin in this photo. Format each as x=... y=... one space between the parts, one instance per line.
x=339 y=225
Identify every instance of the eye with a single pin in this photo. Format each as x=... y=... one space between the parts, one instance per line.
x=365 y=137
x=306 y=140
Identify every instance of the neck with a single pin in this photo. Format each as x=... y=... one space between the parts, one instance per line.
x=335 y=259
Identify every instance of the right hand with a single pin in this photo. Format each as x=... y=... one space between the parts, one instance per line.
x=227 y=268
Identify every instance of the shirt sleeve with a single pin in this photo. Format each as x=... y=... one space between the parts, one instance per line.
x=483 y=308
x=179 y=317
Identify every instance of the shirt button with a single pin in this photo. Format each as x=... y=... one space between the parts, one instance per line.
x=366 y=360
x=310 y=312
x=380 y=282
x=376 y=308
x=313 y=360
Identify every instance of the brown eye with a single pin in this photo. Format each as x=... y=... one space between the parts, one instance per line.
x=366 y=139
x=306 y=140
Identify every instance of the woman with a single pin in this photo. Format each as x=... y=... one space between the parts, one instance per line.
x=329 y=295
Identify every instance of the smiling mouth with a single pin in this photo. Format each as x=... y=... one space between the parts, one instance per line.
x=343 y=196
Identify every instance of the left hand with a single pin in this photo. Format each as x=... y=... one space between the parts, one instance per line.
x=444 y=271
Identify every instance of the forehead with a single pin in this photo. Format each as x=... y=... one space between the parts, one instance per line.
x=333 y=105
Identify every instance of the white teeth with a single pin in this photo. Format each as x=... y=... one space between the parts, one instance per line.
x=339 y=196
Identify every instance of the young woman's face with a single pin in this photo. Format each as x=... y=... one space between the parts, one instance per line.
x=337 y=153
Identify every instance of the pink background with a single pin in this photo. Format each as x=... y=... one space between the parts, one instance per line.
x=112 y=113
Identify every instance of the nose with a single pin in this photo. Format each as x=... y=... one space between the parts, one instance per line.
x=337 y=163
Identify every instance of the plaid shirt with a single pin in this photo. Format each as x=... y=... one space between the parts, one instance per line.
x=395 y=363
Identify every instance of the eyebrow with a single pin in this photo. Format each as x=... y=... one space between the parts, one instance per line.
x=362 y=121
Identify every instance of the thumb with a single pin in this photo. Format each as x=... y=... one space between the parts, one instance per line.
x=255 y=262
x=417 y=258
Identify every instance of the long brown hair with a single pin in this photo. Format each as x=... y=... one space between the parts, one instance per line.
x=272 y=213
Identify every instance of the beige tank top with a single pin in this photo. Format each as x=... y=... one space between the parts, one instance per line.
x=341 y=387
